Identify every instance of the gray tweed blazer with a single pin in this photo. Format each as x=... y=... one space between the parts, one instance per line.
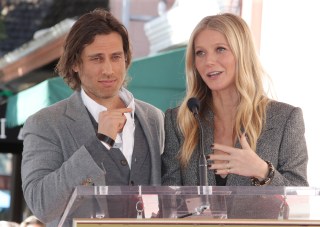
x=282 y=142
x=56 y=159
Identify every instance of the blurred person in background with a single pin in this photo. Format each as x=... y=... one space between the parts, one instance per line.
x=32 y=221
x=8 y=224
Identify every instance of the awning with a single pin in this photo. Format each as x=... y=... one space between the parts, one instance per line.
x=41 y=50
x=29 y=101
x=159 y=80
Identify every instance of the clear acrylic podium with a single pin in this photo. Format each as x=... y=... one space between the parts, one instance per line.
x=91 y=206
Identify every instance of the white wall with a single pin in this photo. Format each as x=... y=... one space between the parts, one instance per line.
x=290 y=49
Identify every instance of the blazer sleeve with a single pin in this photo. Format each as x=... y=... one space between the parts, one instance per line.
x=293 y=154
x=49 y=173
x=171 y=174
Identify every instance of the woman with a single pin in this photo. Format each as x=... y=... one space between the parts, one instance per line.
x=249 y=139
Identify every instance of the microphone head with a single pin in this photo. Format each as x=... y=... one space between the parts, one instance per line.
x=193 y=105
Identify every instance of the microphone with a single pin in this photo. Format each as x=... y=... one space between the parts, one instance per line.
x=194 y=106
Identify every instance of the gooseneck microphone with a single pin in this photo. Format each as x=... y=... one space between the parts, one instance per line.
x=194 y=106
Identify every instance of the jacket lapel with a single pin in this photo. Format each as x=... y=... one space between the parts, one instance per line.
x=78 y=120
x=147 y=124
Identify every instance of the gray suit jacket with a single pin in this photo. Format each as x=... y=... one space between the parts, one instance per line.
x=56 y=159
x=282 y=142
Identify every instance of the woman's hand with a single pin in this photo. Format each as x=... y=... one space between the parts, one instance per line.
x=244 y=162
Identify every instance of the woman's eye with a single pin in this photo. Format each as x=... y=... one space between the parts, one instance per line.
x=199 y=53
x=221 y=49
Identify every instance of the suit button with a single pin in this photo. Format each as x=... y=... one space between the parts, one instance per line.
x=124 y=162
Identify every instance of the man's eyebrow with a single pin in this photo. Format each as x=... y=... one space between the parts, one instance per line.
x=118 y=53
x=94 y=55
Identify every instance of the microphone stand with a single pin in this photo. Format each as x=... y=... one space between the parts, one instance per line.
x=203 y=171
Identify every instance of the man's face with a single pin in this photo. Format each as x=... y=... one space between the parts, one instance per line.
x=103 y=68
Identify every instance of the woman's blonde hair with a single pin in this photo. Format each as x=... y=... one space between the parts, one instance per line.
x=251 y=110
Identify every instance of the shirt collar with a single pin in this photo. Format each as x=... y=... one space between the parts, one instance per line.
x=124 y=140
x=95 y=108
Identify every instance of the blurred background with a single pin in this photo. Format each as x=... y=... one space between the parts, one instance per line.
x=32 y=34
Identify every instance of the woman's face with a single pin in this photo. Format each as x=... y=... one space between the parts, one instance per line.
x=215 y=61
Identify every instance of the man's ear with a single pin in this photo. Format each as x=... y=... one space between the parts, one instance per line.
x=75 y=68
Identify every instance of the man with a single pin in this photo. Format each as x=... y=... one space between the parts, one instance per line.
x=100 y=135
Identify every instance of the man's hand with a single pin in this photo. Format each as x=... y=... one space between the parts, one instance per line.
x=111 y=122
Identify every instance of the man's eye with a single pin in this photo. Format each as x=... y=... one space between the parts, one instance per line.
x=96 y=59
x=116 y=57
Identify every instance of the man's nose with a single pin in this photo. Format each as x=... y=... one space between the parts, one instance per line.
x=107 y=68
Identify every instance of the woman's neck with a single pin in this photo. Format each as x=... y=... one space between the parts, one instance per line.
x=225 y=107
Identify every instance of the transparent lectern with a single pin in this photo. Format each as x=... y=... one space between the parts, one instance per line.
x=191 y=205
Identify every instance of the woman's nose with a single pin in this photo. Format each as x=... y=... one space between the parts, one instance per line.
x=211 y=59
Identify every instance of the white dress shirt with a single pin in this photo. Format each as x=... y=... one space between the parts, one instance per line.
x=124 y=140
